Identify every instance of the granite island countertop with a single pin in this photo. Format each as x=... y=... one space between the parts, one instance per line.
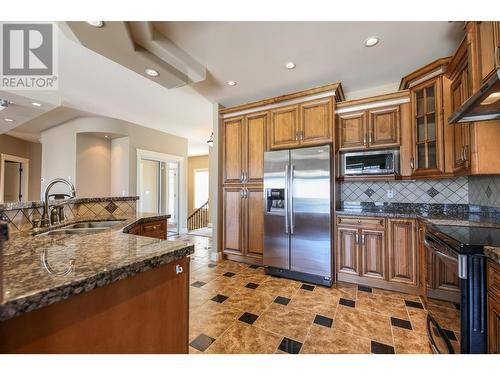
x=38 y=270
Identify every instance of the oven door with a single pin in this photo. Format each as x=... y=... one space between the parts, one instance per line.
x=445 y=262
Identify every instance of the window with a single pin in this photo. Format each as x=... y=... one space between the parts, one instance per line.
x=200 y=187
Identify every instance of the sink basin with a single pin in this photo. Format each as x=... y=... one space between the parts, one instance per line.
x=93 y=224
x=72 y=231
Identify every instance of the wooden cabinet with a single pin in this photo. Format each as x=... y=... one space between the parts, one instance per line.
x=488 y=39
x=244 y=142
x=155 y=229
x=305 y=124
x=427 y=128
x=372 y=128
x=243 y=224
x=384 y=127
x=347 y=250
x=284 y=127
x=316 y=124
x=402 y=247
x=233 y=220
x=373 y=252
x=352 y=130
x=493 y=275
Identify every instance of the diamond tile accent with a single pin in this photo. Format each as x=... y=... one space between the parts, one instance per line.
x=488 y=192
x=202 y=342
x=369 y=192
x=290 y=346
x=111 y=207
x=432 y=192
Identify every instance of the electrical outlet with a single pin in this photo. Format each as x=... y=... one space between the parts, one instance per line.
x=390 y=193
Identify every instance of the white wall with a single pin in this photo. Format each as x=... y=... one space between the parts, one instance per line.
x=120 y=162
x=93 y=166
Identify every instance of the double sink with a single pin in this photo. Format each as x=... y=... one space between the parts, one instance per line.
x=83 y=227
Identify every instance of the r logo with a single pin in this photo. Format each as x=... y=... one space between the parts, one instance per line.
x=27 y=49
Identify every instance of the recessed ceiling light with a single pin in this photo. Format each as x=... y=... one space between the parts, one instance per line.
x=96 y=23
x=8 y=120
x=232 y=83
x=290 y=65
x=371 y=41
x=36 y=104
x=152 y=72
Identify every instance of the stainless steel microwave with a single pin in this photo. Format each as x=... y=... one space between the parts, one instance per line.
x=383 y=162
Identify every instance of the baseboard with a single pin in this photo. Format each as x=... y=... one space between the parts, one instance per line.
x=183 y=231
x=215 y=256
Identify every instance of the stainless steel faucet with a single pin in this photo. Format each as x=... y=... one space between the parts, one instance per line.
x=46 y=219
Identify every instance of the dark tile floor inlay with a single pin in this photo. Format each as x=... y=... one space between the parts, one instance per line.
x=229 y=274
x=202 y=342
x=219 y=298
x=252 y=286
x=248 y=318
x=282 y=300
x=363 y=288
x=450 y=334
x=307 y=287
x=401 y=323
x=254 y=266
x=290 y=346
x=323 y=321
x=415 y=305
x=211 y=265
x=379 y=348
x=198 y=284
x=347 y=302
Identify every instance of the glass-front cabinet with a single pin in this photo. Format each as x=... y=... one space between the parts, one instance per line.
x=427 y=128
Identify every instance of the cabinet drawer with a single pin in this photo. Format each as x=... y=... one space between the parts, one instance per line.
x=372 y=222
x=494 y=279
x=154 y=229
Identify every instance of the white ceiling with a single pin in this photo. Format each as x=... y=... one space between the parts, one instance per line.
x=251 y=53
x=254 y=54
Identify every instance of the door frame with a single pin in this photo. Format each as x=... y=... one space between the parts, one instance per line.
x=25 y=182
x=182 y=183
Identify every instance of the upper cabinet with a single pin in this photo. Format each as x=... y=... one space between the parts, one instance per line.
x=488 y=48
x=427 y=119
x=244 y=142
x=304 y=124
x=370 y=123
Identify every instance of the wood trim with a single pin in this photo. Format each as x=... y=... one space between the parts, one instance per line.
x=248 y=259
x=375 y=99
x=407 y=80
x=377 y=283
x=337 y=87
x=454 y=66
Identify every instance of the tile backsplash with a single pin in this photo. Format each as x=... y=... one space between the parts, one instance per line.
x=484 y=190
x=22 y=219
x=451 y=191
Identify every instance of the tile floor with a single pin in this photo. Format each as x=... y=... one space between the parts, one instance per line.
x=236 y=308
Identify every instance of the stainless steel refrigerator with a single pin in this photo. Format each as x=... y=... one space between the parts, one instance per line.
x=298 y=193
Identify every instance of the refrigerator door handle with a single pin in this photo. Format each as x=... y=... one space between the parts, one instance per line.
x=292 y=224
x=287 y=167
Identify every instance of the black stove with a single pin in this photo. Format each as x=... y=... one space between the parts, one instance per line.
x=466 y=239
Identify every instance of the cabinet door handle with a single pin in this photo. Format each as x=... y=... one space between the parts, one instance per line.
x=246 y=193
x=371 y=137
x=301 y=136
x=241 y=177
x=178 y=269
x=465 y=152
x=364 y=139
x=362 y=239
x=296 y=136
x=412 y=163
x=357 y=238
x=241 y=193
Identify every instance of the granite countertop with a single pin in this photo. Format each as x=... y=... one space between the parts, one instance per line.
x=38 y=270
x=38 y=204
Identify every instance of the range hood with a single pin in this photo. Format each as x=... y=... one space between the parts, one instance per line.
x=483 y=105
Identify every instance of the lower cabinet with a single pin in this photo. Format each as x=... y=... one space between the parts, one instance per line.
x=377 y=252
x=493 y=273
x=243 y=224
x=155 y=229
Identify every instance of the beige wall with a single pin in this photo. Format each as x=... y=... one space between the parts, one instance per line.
x=29 y=150
x=194 y=162
x=93 y=166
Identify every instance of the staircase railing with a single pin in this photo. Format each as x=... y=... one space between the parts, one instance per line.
x=199 y=218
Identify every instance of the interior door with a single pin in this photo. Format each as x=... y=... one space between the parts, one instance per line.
x=310 y=211
x=276 y=237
